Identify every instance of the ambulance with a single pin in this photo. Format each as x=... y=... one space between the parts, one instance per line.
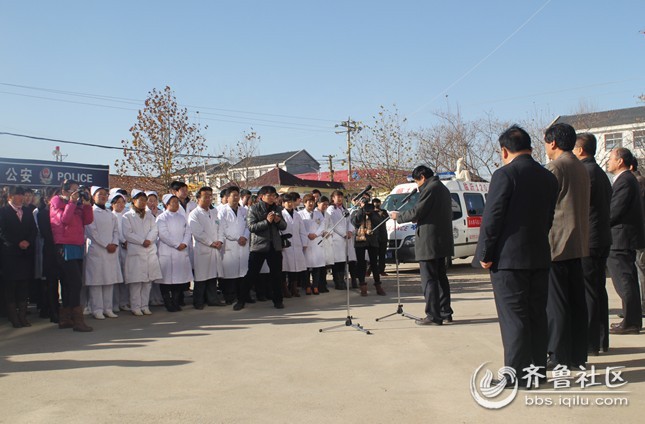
x=468 y=200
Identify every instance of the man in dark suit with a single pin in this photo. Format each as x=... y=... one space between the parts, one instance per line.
x=434 y=242
x=628 y=234
x=640 y=253
x=17 y=237
x=593 y=266
x=514 y=246
x=566 y=307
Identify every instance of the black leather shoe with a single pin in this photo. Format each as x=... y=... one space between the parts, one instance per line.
x=261 y=299
x=200 y=307
x=551 y=364
x=279 y=305
x=624 y=330
x=217 y=303
x=428 y=321
x=447 y=319
x=249 y=300
x=238 y=306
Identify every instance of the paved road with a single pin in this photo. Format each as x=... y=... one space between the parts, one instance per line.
x=261 y=365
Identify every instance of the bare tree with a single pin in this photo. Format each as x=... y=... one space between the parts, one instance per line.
x=163 y=140
x=241 y=156
x=454 y=138
x=384 y=150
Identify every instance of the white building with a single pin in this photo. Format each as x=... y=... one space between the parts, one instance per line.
x=296 y=162
x=612 y=128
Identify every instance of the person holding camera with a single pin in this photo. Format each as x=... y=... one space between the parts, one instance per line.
x=69 y=213
x=365 y=219
x=265 y=222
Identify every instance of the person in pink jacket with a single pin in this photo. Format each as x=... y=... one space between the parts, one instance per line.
x=69 y=213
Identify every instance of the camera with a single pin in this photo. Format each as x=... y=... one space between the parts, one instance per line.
x=284 y=238
x=368 y=207
x=83 y=195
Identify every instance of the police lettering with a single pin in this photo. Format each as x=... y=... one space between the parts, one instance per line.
x=76 y=176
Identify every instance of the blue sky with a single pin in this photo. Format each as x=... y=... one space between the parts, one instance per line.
x=292 y=69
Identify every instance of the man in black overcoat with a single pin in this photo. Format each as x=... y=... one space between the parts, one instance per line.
x=514 y=246
x=434 y=242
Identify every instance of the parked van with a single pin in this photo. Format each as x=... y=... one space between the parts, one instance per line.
x=468 y=200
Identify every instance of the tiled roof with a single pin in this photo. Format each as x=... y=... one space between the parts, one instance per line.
x=263 y=160
x=609 y=118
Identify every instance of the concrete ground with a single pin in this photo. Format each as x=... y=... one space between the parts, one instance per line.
x=261 y=365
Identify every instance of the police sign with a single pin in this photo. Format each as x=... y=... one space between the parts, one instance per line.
x=42 y=173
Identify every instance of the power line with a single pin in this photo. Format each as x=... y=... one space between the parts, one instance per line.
x=314 y=128
x=138 y=102
x=473 y=68
x=102 y=146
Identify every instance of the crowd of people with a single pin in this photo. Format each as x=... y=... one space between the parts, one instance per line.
x=98 y=251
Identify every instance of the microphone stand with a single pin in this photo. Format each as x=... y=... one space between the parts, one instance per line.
x=399 y=308
x=348 y=321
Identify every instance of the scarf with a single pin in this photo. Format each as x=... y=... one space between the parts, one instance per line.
x=140 y=212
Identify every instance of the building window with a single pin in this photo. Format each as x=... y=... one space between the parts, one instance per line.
x=613 y=140
x=639 y=139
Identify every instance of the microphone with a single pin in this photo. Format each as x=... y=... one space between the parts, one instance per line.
x=408 y=196
x=359 y=195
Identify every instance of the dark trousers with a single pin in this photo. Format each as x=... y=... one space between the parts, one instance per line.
x=382 y=251
x=71 y=280
x=205 y=292
x=361 y=267
x=436 y=288
x=625 y=278
x=170 y=289
x=230 y=288
x=274 y=261
x=16 y=291
x=566 y=311
x=520 y=299
x=261 y=284
x=317 y=276
x=593 y=270
x=339 y=267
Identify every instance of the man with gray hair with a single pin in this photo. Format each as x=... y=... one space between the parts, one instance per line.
x=628 y=234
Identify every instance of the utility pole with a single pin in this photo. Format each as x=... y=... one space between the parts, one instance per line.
x=331 y=166
x=350 y=127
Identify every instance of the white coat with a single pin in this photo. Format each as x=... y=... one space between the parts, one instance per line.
x=175 y=264
x=232 y=226
x=340 y=244
x=293 y=258
x=101 y=267
x=314 y=223
x=205 y=229
x=121 y=250
x=141 y=263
